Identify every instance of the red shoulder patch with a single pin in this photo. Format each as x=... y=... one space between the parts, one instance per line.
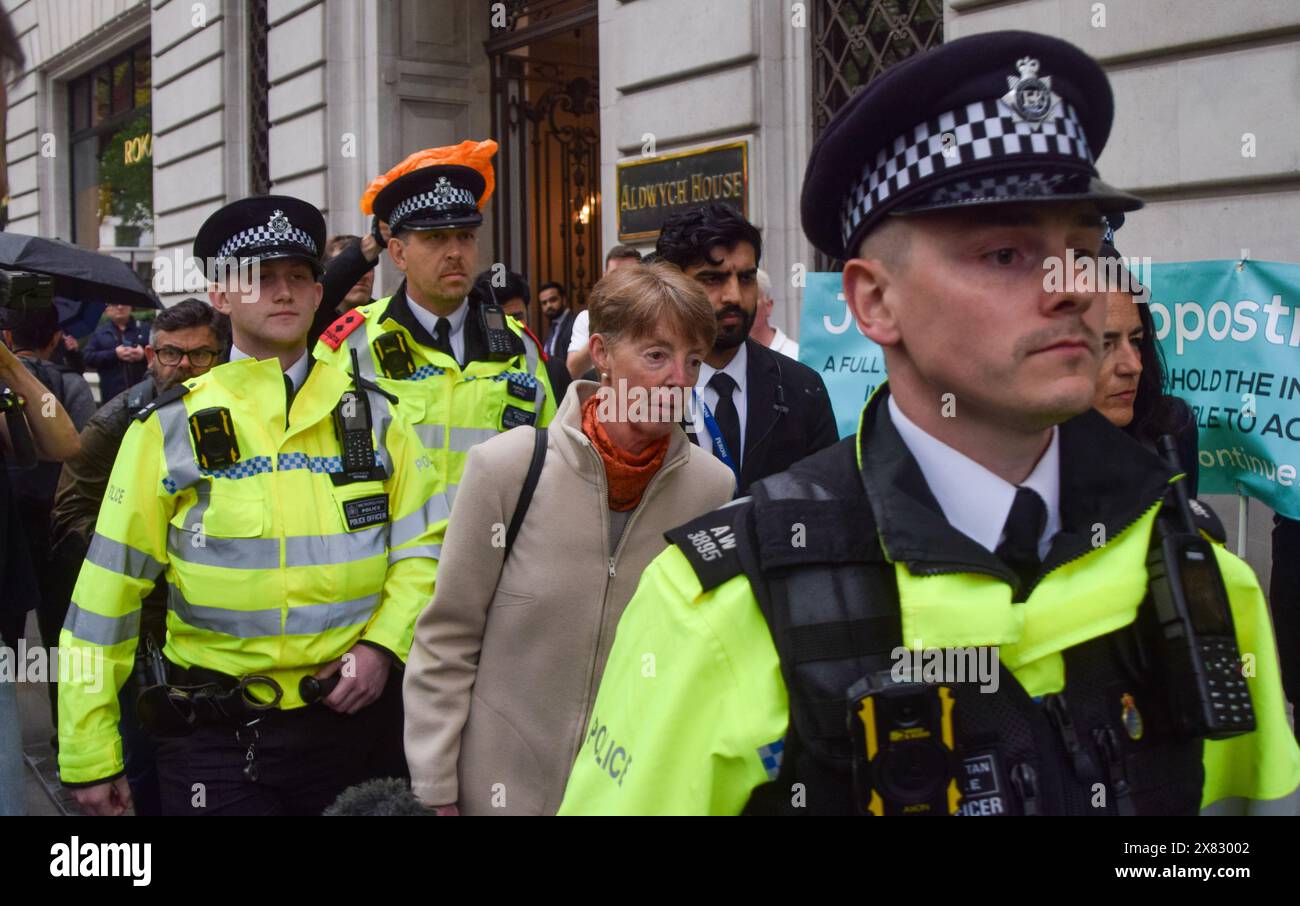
x=337 y=332
x=541 y=351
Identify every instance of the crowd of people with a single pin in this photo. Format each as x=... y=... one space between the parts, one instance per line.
x=311 y=538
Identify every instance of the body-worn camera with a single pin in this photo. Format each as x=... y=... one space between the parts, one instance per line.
x=214 y=438
x=395 y=358
x=904 y=760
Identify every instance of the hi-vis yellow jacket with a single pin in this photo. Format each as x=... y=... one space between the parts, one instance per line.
x=271 y=568
x=693 y=708
x=452 y=407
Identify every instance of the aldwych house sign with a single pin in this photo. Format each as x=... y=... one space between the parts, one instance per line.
x=650 y=190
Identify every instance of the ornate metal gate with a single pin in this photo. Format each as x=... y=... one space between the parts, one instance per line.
x=854 y=41
x=546 y=118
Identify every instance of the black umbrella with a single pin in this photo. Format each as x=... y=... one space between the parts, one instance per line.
x=80 y=275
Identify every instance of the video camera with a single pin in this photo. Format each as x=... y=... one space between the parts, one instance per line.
x=25 y=291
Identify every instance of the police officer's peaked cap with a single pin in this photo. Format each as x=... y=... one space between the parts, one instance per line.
x=993 y=118
x=263 y=227
x=437 y=197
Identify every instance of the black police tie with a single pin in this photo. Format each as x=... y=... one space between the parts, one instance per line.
x=442 y=336
x=288 y=398
x=725 y=413
x=1019 y=547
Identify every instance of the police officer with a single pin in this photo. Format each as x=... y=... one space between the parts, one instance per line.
x=289 y=507
x=982 y=509
x=462 y=369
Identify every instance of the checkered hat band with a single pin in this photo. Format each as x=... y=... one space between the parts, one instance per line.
x=980 y=132
x=265 y=236
x=442 y=202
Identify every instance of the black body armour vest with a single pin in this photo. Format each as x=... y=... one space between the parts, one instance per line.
x=1104 y=746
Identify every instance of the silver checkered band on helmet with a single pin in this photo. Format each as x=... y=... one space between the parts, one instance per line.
x=440 y=201
x=981 y=131
x=264 y=235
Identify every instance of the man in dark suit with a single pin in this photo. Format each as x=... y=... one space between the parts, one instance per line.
x=760 y=411
x=555 y=306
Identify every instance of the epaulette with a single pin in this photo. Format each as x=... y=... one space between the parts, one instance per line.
x=536 y=341
x=344 y=324
x=170 y=395
x=364 y=384
x=712 y=542
x=1208 y=521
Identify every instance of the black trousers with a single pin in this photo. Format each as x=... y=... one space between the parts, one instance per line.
x=1284 y=601
x=305 y=757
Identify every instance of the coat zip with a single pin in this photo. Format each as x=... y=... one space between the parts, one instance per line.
x=627 y=530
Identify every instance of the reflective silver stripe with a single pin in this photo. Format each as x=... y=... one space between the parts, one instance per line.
x=365 y=357
x=124 y=559
x=229 y=553
x=1236 y=805
x=99 y=629
x=464 y=438
x=432 y=551
x=242 y=624
x=530 y=351
x=539 y=398
x=203 y=493
x=182 y=467
x=410 y=526
x=382 y=415
x=313 y=618
x=450 y=493
x=345 y=547
x=430 y=435
x=530 y=357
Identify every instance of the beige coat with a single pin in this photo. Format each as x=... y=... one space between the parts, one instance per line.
x=506 y=662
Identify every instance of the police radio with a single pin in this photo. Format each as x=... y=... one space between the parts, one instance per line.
x=501 y=342
x=352 y=424
x=904 y=759
x=1196 y=641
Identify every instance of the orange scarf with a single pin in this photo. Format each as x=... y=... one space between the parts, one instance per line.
x=628 y=474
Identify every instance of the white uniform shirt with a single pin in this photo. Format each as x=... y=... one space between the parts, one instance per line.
x=974 y=500
x=428 y=320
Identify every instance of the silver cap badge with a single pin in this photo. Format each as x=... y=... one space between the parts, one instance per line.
x=1030 y=98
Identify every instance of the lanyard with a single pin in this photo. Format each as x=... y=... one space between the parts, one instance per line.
x=715 y=434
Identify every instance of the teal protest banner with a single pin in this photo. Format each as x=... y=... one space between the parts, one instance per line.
x=1230 y=333
x=829 y=343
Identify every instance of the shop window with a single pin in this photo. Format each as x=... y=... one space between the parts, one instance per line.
x=111 y=137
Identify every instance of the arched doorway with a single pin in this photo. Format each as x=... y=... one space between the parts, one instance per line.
x=546 y=118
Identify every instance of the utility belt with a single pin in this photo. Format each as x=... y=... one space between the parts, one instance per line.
x=175 y=701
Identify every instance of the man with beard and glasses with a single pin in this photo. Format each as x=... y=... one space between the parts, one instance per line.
x=760 y=412
x=185 y=342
